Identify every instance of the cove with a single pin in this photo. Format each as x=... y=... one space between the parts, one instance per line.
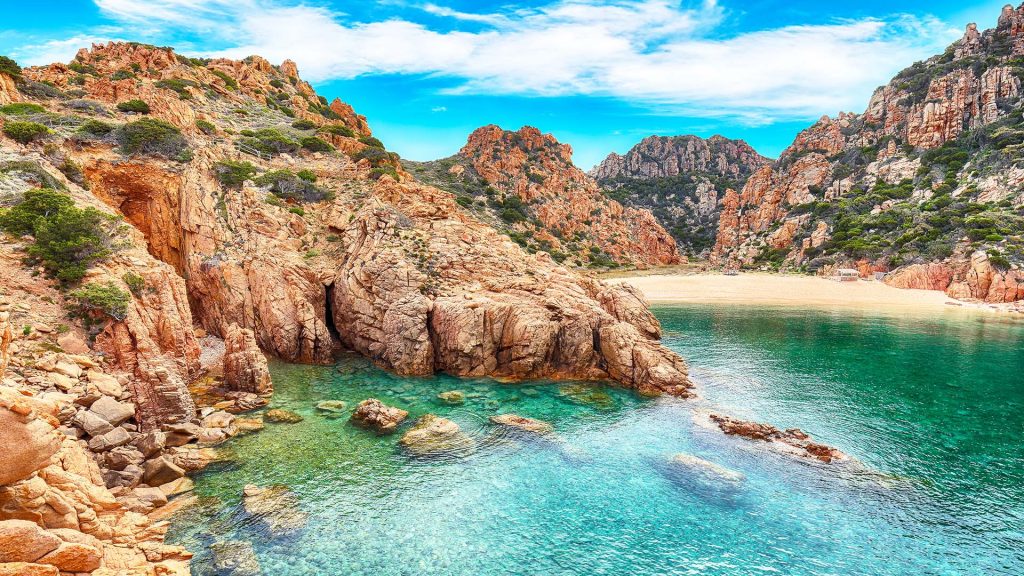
x=932 y=407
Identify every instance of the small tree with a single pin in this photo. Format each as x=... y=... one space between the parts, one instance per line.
x=94 y=298
x=233 y=173
x=10 y=67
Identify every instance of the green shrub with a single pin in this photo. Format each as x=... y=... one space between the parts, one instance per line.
x=25 y=132
x=134 y=282
x=10 y=67
x=338 y=130
x=122 y=75
x=206 y=127
x=233 y=173
x=67 y=239
x=271 y=141
x=303 y=124
x=34 y=89
x=371 y=142
x=376 y=156
x=307 y=175
x=230 y=82
x=276 y=83
x=177 y=85
x=137 y=106
x=106 y=299
x=314 y=144
x=81 y=68
x=33 y=171
x=998 y=261
x=297 y=210
x=21 y=109
x=95 y=128
x=379 y=171
x=151 y=136
x=288 y=185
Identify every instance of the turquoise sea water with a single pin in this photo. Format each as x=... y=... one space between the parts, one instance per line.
x=932 y=407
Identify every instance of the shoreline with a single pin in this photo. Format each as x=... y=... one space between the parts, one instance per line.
x=766 y=289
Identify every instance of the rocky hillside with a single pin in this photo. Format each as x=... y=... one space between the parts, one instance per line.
x=926 y=183
x=682 y=180
x=525 y=184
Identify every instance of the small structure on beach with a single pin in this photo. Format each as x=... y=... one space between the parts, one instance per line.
x=846 y=275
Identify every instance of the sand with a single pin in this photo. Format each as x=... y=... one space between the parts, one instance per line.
x=761 y=289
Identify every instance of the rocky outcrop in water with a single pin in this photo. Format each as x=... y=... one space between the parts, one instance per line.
x=920 y=183
x=793 y=440
x=375 y=415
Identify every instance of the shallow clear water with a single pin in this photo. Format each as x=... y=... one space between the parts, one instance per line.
x=932 y=407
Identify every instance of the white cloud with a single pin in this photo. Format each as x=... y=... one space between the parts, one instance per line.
x=56 y=50
x=439 y=109
x=655 y=53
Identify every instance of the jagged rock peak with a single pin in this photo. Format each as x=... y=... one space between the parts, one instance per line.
x=661 y=156
x=527 y=139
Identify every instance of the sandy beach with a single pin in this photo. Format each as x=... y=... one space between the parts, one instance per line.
x=775 y=289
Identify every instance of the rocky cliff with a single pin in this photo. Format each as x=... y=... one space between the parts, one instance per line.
x=526 y=184
x=682 y=180
x=928 y=178
x=279 y=214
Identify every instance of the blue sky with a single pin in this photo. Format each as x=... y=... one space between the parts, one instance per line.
x=599 y=74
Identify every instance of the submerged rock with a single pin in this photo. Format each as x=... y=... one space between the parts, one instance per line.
x=235 y=558
x=332 y=408
x=433 y=435
x=375 y=415
x=706 y=470
x=791 y=441
x=277 y=507
x=452 y=397
x=523 y=423
x=279 y=416
x=587 y=394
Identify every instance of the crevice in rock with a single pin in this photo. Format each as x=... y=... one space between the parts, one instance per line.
x=332 y=328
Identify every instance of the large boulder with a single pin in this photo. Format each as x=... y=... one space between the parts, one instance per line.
x=161 y=471
x=112 y=411
x=28 y=436
x=24 y=541
x=435 y=435
x=376 y=415
x=245 y=366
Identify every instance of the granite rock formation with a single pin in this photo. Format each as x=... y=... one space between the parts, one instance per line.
x=925 y=183
x=682 y=180
x=525 y=182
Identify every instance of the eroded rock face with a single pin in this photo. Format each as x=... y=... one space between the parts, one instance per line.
x=484 y=308
x=245 y=366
